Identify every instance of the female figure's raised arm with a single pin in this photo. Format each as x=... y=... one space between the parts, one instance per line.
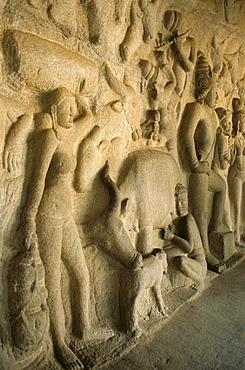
x=82 y=122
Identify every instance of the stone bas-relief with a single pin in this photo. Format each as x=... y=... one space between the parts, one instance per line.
x=197 y=137
x=122 y=170
x=134 y=285
x=29 y=316
x=236 y=170
x=47 y=219
x=184 y=234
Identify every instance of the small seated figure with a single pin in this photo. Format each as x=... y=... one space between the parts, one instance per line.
x=134 y=284
x=188 y=239
x=150 y=132
x=150 y=128
x=28 y=310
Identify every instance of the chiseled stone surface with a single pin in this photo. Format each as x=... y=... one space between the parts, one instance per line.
x=122 y=144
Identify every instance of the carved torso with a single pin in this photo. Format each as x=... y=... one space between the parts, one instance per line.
x=56 y=201
x=205 y=135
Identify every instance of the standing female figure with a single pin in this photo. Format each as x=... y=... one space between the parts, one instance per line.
x=47 y=216
x=236 y=174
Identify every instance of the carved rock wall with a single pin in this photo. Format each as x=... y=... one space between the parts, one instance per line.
x=122 y=168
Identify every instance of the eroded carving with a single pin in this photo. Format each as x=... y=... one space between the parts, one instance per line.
x=236 y=175
x=47 y=218
x=182 y=46
x=198 y=133
x=14 y=152
x=146 y=182
x=223 y=154
x=184 y=234
x=131 y=63
x=28 y=309
x=159 y=83
x=150 y=13
x=134 y=285
x=133 y=37
x=42 y=72
x=130 y=100
x=108 y=232
x=63 y=15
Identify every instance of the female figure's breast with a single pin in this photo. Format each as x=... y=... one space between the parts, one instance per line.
x=56 y=201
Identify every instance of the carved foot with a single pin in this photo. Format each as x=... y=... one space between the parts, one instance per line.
x=97 y=333
x=163 y=313
x=68 y=359
x=198 y=286
x=136 y=333
x=214 y=264
x=220 y=229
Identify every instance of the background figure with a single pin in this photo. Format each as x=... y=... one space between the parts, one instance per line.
x=129 y=99
x=224 y=148
x=187 y=238
x=47 y=216
x=159 y=82
x=133 y=37
x=236 y=175
x=197 y=135
x=182 y=48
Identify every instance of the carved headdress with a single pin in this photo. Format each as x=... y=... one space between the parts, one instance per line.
x=58 y=95
x=55 y=98
x=222 y=114
x=172 y=19
x=180 y=189
x=204 y=78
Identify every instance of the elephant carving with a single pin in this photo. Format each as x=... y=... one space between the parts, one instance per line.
x=144 y=194
x=146 y=184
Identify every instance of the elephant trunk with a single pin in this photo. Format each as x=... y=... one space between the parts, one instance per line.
x=115 y=200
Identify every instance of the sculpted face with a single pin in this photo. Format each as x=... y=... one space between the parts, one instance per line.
x=147 y=130
x=66 y=111
x=212 y=98
x=181 y=204
x=227 y=126
x=242 y=122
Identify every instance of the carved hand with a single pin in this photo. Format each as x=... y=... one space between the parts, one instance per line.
x=29 y=233
x=136 y=134
x=12 y=154
x=178 y=42
x=201 y=167
x=11 y=159
x=168 y=235
x=227 y=156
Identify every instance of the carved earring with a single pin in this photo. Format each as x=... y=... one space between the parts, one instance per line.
x=54 y=120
